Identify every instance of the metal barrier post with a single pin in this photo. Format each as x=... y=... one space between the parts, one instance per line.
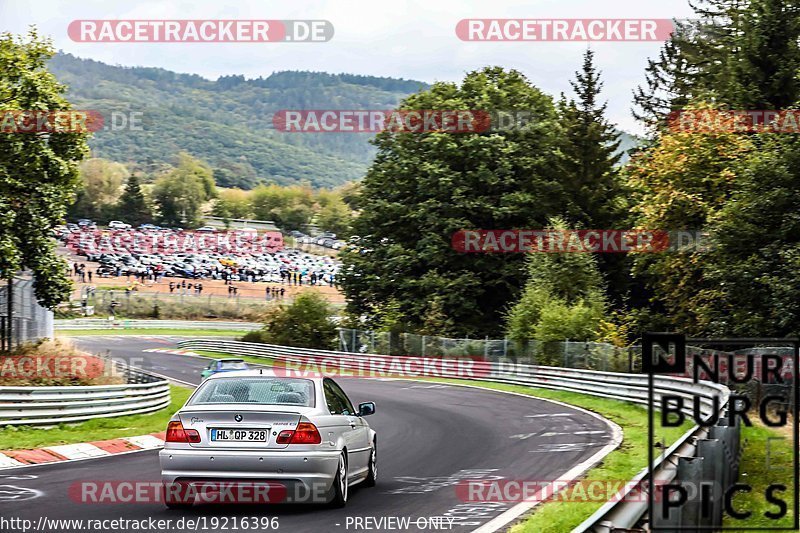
x=690 y=471
x=711 y=452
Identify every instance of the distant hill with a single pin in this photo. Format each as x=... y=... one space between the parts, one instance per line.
x=627 y=141
x=228 y=122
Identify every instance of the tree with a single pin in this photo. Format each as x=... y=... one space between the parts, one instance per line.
x=590 y=147
x=306 y=323
x=738 y=53
x=181 y=193
x=333 y=214
x=755 y=261
x=38 y=171
x=770 y=54
x=289 y=207
x=424 y=187
x=102 y=182
x=590 y=162
x=681 y=183
x=132 y=206
x=669 y=79
x=563 y=297
x=233 y=203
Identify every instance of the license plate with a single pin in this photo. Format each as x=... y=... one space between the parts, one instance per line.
x=240 y=435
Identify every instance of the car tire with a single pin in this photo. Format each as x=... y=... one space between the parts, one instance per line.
x=172 y=502
x=372 y=468
x=341 y=489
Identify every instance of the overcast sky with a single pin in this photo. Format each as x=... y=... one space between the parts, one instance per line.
x=413 y=39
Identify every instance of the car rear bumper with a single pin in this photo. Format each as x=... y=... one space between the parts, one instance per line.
x=307 y=476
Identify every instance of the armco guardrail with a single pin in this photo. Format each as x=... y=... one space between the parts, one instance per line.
x=700 y=454
x=100 y=323
x=143 y=393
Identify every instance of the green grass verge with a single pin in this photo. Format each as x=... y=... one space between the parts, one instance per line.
x=767 y=459
x=27 y=437
x=152 y=331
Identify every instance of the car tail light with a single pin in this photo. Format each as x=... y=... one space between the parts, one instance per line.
x=305 y=433
x=176 y=433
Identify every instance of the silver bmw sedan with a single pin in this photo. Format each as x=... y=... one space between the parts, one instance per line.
x=254 y=436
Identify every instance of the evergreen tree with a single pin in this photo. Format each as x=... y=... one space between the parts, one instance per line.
x=743 y=54
x=669 y=79
x=589 y=149
x=132 y=206
x=563 y=297
x=755 y=263
x=590 y=168
x=768 y=72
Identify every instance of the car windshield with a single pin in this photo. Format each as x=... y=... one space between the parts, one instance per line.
x=256 y=390
x=233 y=365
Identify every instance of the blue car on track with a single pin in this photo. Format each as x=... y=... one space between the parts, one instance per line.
x=223 y=365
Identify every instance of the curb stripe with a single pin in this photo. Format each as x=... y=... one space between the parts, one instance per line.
x=78 y=451
x=81 y=451
x=36 y=456
x=8 y=462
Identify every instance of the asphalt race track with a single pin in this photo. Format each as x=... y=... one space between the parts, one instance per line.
x=430 y=437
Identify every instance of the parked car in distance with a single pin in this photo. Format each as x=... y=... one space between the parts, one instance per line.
x=206 y=229
x=85 y=223
x=223 y=365
x=118 y=224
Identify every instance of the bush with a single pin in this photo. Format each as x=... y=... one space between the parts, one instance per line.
x=54 y=363
x=559 y=321
x=306 y=323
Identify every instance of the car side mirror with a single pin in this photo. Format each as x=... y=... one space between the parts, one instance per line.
x=366 y=409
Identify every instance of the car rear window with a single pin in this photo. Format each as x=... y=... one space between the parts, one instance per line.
x=262 y=391
x=233 y=365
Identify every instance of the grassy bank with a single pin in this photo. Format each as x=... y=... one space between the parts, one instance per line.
x=767 y=458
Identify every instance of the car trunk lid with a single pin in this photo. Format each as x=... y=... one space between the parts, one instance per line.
x=231 y=427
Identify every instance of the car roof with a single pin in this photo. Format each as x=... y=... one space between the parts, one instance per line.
x=259 y=373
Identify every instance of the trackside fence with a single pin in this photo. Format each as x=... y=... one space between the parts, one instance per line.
x=566 y=353
x=701 y=454
x=29 y=321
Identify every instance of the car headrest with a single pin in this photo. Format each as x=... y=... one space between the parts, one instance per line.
x=222 y=398
x=295 y=398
